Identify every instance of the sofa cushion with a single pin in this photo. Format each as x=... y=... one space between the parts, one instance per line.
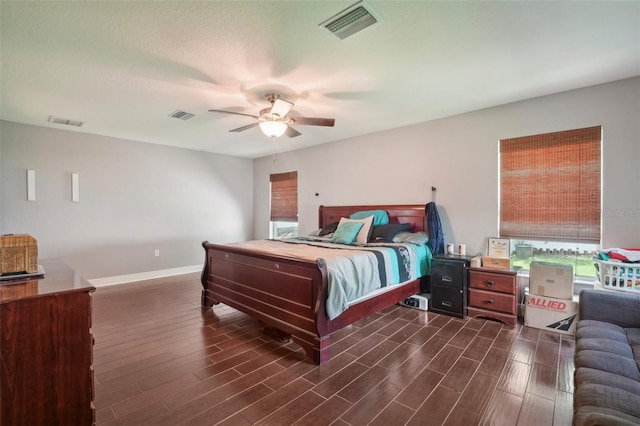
x=611 y=339
x=591 y=375
x=613 y=307
x=633 y=336
x=591 y=397
x=612 y=363
x=599 y=329
x=604 y=345
x=586 y=417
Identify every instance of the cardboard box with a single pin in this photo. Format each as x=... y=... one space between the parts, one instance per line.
x=551 y=280
x=496 y=262
x=18 y=254
x=551 y=314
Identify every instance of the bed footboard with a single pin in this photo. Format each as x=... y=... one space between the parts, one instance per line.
x=283 y=293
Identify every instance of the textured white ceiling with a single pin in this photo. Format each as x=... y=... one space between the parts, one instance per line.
x=122 y=67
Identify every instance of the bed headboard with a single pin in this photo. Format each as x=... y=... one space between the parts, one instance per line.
x=404 y=213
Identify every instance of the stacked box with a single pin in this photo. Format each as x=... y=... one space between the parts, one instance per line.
x=550 y=304
x=548 y=313
x=551 y=280
x=18 y=254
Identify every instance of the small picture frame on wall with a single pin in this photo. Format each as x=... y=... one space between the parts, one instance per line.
x=499 y=247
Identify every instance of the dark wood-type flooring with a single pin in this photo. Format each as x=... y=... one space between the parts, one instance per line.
x=160 y=359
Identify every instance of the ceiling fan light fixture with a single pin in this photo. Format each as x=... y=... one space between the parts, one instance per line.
x=273 y=129
x=274 y=121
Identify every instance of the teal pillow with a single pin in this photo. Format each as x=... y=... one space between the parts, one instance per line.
x=380 y=217
x=346 y=232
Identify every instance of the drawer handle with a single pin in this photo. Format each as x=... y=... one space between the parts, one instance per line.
x=447 y=304
x=447 y=279
x=490 y=301
x=490 y=283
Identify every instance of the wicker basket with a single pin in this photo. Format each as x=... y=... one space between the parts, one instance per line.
x=618 y=275
x=18 y=254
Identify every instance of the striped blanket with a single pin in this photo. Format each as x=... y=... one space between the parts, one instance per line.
x=352 y=270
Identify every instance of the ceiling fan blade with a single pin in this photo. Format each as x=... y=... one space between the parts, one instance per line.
x=281 y=107
x=314 y=121
x=291 y=132
x=232 y=112
x=243 y=128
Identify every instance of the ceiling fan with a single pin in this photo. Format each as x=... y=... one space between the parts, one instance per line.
x=274 y=121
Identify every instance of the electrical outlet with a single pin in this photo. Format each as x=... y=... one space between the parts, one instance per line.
x=157 y=253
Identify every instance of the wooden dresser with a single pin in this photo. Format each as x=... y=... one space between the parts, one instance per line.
x=46 y=374
x=493 y=294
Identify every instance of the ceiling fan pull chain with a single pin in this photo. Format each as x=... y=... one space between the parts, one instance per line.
x=273 y=145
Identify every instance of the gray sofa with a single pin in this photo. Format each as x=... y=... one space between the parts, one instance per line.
x=607 y=359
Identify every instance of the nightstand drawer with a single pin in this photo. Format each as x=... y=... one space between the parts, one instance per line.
x=497 y=302
x=492 y=282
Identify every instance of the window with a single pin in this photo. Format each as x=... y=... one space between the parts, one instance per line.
x=523 y=252
x=284 y=205
x=550 y=197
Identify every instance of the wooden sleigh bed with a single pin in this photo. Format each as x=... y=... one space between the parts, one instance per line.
x=289 y=294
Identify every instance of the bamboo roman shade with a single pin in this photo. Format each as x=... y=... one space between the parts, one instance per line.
x=550 y=186
x=284 y=197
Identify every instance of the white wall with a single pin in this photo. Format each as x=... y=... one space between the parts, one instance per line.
x=135 y=198
x=459 y=156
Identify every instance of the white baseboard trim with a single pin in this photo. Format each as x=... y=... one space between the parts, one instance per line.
x=123 y=279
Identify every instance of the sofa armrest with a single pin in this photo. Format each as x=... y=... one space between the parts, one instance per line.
x=615 y=307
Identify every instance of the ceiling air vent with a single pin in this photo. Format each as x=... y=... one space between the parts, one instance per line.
x=351 y=20
x=181 y=115
x=64 y=121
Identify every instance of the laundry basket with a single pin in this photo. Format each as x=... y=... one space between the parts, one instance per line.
x=618 y=275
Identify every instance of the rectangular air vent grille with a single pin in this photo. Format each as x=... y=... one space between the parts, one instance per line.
x=181 y=115
x=64 y=121
x=351 y=20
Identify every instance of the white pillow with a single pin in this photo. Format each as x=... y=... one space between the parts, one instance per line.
x=419 y=238
x=363 y=235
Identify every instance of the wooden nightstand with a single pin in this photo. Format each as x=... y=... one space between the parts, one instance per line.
x=493 y=294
